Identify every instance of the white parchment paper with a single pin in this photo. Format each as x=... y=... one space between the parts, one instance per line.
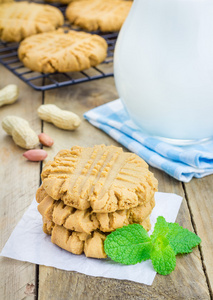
x=29 y=243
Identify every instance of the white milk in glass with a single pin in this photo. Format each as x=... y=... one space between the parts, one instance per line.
x=163 y=67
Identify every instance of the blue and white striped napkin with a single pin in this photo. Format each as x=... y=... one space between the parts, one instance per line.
x=181 y=162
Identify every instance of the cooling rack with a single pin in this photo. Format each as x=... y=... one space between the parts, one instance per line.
x=42 y=82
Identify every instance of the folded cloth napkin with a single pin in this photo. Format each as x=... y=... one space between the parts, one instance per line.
x=181 y=162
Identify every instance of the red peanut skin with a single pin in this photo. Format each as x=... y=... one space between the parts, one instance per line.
x=35 y=154
x=45 y=140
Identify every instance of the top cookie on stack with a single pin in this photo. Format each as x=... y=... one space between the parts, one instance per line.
x=19 y=20
x=103 y=177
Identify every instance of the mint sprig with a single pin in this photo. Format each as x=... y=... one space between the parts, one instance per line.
x=131 y=244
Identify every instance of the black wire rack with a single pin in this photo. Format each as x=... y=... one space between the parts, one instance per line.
x=41 y=82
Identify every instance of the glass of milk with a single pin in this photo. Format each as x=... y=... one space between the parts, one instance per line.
x=163 y=68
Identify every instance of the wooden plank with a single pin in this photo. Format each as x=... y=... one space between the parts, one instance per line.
x=19 y=181
x=200 y=198
x=188 y=281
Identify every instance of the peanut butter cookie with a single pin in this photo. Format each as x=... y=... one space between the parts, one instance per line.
x=78 y=242
x=101 y=177
x=104 y=15
x=19 y=20
x=62 y=51
x=88 y=221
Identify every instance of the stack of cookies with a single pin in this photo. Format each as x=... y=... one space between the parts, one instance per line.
x=89 y=192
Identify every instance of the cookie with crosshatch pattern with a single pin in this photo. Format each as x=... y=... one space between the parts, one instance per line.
x=88 y=221
x=19 y=20
x=78 y=242
x=103 y=15
x=62 y=51
x=104 y=178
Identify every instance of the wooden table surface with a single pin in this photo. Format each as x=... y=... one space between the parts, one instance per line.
x=193 y=275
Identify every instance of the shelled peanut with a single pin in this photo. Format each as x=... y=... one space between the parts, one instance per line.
x=9 y=94
x=63 y=119
x=45 y=139
x=20 y=131
x=35 y=154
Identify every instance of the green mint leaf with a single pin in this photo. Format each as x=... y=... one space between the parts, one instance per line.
x=161 y=228
x=128 y=245
x=181 y=239
x=163 y=256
